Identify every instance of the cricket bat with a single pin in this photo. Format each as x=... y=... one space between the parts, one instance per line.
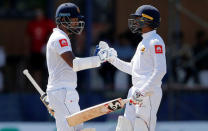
x=96 y=111
x=41 y=92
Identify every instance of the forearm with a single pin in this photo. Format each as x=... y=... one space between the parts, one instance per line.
x=86 y=63
x=78 y=64
x=122 y=65
x=155 y=78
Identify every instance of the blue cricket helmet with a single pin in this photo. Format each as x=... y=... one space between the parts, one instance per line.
x=65 y=12
x=68 y=9
x=145 y=15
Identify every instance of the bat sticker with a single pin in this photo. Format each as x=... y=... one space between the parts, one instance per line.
x=115 y=105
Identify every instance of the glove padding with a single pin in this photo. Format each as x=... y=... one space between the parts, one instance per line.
x=102 y=51
x=101 y=46
x=137 y=98
x=105 y=53
x=45 y=100
x=112 y=55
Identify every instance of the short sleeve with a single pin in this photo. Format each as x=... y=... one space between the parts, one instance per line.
x=62 y=45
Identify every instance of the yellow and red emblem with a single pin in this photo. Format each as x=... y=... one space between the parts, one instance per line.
x=142 y=49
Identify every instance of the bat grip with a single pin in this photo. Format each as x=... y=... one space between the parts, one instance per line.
x=128 y=99
x=27 y=74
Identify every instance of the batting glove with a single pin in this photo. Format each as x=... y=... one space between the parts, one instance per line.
x=101 y=46
x=137 y=98
x=97 y=49
x=46 y=102
x=103 y=55
x=112 y=55
x=102 y=51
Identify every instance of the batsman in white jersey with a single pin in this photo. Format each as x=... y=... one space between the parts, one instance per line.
x=63 y=65
x=147 y=68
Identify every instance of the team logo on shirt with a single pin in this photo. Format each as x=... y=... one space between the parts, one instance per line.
x=63 y=42
x=142 y=48
x=158 y=49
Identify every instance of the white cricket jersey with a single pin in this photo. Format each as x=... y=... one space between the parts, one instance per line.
x=148 y=66
x=149 y=62
x=61 y=74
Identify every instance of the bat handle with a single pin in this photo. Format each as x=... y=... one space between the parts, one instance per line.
x=27 y=74
x=126 y=100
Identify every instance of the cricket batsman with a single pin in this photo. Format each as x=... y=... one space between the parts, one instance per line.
x=147 y=68
x=63 y=65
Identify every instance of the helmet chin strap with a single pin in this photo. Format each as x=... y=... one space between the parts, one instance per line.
x=69 y=30
x=73 y=30
x=136 y=30
x=139 y=30
x=141 y=26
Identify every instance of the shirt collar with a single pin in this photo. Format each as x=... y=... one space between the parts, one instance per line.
x=59 y=30
x=148 y=33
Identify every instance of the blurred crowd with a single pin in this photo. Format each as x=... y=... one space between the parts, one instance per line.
x=187 y=61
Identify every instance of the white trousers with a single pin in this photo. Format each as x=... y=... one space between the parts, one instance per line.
x=147 y=111
x=64 y=103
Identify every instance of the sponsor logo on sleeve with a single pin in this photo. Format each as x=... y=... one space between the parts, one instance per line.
x=158 y=49
x=63 y=42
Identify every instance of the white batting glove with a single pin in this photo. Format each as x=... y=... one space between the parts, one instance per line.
x=109 y=54
x=102 y=51
x=112 y=55
x=137 y=98
x=103 y=55
x=45 y=100
x=103 y=45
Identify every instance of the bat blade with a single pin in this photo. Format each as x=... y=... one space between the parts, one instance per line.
x=96 y=111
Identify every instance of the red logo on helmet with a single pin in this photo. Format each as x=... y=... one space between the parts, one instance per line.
x=63 y=42
x=158 y=49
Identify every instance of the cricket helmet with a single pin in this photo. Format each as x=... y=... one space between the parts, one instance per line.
x=65 y=12
x=145 y=15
